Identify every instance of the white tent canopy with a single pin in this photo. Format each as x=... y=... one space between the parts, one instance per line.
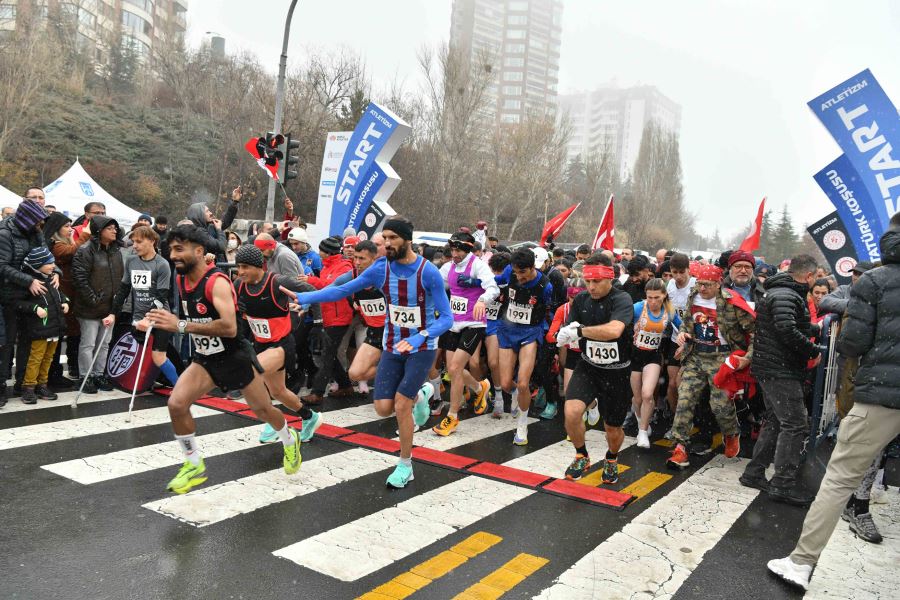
x=8 y=198
x=75 y=188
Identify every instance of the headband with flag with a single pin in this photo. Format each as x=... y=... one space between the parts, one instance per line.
x=554 y=226
x=751 y=242
x=593 y=272
x=606 y=232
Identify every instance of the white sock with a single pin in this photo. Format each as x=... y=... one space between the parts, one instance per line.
x=476 y=388
x=406 y=461
x=284 y=434
x=436 y=382
x=522 y=418
x=452 y=415
x=515 y=397
x=189 y=447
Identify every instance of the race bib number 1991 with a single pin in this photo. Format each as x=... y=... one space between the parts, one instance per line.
x=519 y=313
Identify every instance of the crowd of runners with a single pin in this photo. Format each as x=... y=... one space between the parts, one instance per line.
x=667 y=349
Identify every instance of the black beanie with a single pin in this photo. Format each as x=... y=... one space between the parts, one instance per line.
x=248 y=254
x=331 y=245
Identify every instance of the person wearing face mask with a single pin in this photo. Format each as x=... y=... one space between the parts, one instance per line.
x=232 y=243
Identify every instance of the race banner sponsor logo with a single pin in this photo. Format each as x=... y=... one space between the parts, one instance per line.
x=831 y=236
x=122 y=364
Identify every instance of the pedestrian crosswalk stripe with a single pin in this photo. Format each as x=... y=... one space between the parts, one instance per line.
x=504 y=579
x=103 y=467
x=55 y=431
x=65 y=399
x=646 y=484
x=655 y=553
x=372 y=542
x=208 y=505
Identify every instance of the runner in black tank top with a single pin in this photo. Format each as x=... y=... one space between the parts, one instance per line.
x=264 y=311
x=221 y=358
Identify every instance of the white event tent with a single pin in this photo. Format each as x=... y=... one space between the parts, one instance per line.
x=75 y=188
x=8 y=198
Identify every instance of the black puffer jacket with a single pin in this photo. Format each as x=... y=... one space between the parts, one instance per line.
x=97 y=273
x=51 y=326
x=15 y=245
x=872 y=330
x=782 y=346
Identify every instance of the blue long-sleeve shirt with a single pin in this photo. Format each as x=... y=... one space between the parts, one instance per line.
x=374 y=276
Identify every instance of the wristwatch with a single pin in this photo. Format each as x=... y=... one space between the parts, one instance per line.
x=424 y=333
x=580 y=330
x=181 y=326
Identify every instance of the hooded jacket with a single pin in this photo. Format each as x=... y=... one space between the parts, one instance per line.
x=783 y=329
x=334 y=314
x=51 y=326
x=15 y=245
x=872 y=328
x=196 y=213
x=97 y=272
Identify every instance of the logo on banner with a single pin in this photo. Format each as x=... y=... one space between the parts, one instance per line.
x=86 y=188
x=370 y=220
x=123 y=355
x=834 y=240
x=845 y=265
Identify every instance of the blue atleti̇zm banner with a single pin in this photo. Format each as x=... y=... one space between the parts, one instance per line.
x=365 y=175
x=865 y=124
x=841 y=183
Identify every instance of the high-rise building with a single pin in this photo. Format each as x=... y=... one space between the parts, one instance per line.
x=522 y=40
x=94 y=23
x=612 y=119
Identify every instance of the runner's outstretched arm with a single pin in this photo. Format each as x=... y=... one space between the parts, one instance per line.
x=371 y=277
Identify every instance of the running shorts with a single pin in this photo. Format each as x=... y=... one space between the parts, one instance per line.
x=642 y=358
x=375 y=337
x=671 y=349
x=515 y=336
x=402 y=373
x=492 y=328
x=573 y=357
x=466 y=340
x=161 y=339
x=286 y=343
x=235 y=372
x=610 y=387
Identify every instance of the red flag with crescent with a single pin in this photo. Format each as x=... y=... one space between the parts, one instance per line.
x=751 y=242
x=554 y=226
x=606 y=232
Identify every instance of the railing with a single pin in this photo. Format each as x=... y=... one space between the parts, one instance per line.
x=824 y=401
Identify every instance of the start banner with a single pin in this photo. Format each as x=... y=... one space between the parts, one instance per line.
x=864 y=122
x=841 y=183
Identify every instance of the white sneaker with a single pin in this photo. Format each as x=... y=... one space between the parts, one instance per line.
x=643 y=439
x=593 y=414
x=791 y=571
x=363 y=387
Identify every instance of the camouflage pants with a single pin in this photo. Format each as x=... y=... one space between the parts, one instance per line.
x=699 y=370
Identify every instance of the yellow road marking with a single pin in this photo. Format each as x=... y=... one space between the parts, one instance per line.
x=596 y=478
x=406 y=584
x=716 y=441
x=504 y=579
x=646 y=484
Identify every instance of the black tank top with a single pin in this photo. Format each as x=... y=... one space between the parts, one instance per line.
x=266 y=309
x=525 y=305
x=198 y=307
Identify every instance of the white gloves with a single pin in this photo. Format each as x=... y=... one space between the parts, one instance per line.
x=568 y=334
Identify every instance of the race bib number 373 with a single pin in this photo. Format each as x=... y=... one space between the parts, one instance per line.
x=406 y=316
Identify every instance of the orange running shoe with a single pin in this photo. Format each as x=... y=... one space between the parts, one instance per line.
x=732 y=445
x=679 y=458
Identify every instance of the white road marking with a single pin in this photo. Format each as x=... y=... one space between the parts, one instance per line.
x=65 y=399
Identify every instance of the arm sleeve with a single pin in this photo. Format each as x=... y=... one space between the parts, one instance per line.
x=230 y=214
x=555 y=325
x=858 y=332
x=121 y=296
x=484 y=274
x=10 y=273
x=80 y=271
x=503 y=278
x=373 y=276
x=638 y=307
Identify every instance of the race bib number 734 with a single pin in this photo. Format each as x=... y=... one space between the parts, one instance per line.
x=406 y=316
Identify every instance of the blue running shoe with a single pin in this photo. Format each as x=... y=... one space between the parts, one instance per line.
x=549 y=411
x=268 y=435
x=310 y=426
x=400 y=477
x=421 y=410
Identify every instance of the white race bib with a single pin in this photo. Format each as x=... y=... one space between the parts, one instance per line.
x=519 y=313
x=406 y=316
x=260 y=328
x=372 y=308
x=140 y=280
x=492 y=311
x=458 y=305
x=206 y=345
x=648 y=340
x=602 y=353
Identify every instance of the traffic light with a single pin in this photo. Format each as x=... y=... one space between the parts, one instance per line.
x=271 y=151
x=287 y=161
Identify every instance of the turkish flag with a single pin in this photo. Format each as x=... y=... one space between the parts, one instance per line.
x=751 y=242
x=256 y=146
x=606 y=232
x=554 y=226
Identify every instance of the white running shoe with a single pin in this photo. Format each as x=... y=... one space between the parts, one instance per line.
x=643 y=439
x=791 y=571
x=363 y=387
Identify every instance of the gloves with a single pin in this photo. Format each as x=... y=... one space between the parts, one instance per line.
x=568 y=334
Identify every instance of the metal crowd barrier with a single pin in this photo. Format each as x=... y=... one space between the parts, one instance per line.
x=824 y=415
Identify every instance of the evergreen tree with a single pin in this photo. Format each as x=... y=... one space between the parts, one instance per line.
x=785 y=239
x=767 y=237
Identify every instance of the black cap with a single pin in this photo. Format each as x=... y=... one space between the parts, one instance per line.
x=863 y=266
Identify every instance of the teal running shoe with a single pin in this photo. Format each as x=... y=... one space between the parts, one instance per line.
x=421 y=409
x=268 y=435
x=310 y=426
x=549 y=411
x=400 y=477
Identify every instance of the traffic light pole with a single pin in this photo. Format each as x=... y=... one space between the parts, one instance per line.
x=279 y=103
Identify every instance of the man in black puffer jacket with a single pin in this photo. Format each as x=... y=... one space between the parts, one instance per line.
x=871 y=333
x=781 y=352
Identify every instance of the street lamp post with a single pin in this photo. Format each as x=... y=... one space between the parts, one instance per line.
x=279 y=103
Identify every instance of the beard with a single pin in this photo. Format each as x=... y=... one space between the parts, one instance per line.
x=393 y=254
x=185 y=265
